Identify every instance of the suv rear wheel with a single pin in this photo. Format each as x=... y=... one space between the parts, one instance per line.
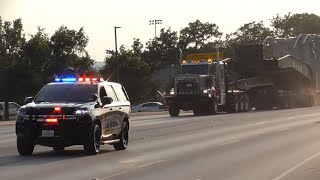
x=25 y=146
x=124 y=137
x=93 y=142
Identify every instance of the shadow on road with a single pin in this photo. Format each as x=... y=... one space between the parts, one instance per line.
x=45 y=157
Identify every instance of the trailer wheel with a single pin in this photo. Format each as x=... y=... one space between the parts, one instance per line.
x=236 y=104
x=174 y=110
x=246 y=103
x=241 y=103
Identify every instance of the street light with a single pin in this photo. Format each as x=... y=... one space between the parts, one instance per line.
x=115 y=37
x=155 y=22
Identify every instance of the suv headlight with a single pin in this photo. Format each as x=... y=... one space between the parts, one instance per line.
x=82 y=112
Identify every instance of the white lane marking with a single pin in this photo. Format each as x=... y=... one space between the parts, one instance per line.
x=149 y=164
x=283 y=129
x=127 y=171
x=229 y=142
x=257 y=123
x=296 y=167
x=117 y=174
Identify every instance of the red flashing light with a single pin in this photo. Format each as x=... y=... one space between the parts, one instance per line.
x=87 y=79
x=52 y=120
x=80 y=79
x=57 y=109
x=94 y=79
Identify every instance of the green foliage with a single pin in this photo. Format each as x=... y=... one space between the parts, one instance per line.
x=68 y=49
x=134 y=73
x=198 y=34
x=161 y=51
x=294 y=24
x=248 y=34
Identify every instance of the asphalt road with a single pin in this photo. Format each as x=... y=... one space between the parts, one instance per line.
x=279 y=144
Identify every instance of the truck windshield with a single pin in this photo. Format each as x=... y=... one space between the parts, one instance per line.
x=66 y=93
x=195 y=69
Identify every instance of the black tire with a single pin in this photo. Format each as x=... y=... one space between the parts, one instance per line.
x=236 y=104
x=93 y=141
x=246 y=103
x=196 y=111
x=174 y=110
x=124 y=137
x=25 y=146
x=58 y=148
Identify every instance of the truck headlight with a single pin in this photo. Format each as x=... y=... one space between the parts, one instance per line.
x=172 y=91
x=205 y=91
x=82 y=112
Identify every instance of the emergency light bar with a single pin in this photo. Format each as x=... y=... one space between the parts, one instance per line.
x=80 y=79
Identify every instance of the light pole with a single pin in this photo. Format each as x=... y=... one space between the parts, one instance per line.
x=155 y=22
x=115 y=38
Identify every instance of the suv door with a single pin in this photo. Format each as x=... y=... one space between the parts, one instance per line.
x=116 y=122
x=124 y=109
x=106 y=114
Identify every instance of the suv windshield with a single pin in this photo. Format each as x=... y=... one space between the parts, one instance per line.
x=194 y=69
x=66 y=93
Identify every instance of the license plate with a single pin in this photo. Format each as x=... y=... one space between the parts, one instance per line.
x=189 y=85
x=47 y=133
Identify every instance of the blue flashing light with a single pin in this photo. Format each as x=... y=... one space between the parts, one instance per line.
x=69 y=79
x=57 y=79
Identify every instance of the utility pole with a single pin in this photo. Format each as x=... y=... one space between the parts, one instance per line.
x=115 y=38
x=155 y=22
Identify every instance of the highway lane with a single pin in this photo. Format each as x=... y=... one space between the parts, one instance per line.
x=279 y=144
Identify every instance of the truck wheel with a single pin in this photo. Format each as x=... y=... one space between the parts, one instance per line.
x=124 y=137
x=246 y=103
x=25 y=146
x=213 y=107
x=174 y=110
x=93 y=142
x=196 y=111
x=241 y=103
x=236 y=104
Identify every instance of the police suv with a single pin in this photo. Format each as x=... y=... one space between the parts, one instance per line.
x=75 y=111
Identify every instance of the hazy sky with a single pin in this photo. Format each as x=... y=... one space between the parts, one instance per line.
x=98 y=17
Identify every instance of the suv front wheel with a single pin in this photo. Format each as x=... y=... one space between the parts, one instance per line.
x=25 y=146
x=124 y=137
x=93 y=142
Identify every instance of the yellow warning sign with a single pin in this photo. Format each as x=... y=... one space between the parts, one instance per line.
x=204 y=56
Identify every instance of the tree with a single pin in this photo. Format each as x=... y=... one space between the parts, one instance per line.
x=248 y=34
x=11 y=62
x=134 y=73
x=198 y=34
x=162 y=51
x=68 y=49
x=294 y=24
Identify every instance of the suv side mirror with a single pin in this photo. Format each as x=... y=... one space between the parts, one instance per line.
x=94 y=97
x=106 y=100
x=28 y=99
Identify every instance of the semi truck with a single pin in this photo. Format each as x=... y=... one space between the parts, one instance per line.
x=278 y=73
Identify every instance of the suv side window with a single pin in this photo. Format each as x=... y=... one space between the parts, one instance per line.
x=110 y=93
x=102 y=92
x=121 y=93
